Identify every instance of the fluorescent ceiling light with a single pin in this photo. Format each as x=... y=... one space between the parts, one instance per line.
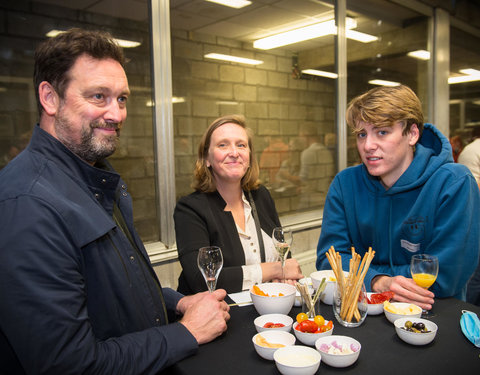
x=360 y=37
x=470 y=76
x=310 y=32
x=304 y=33
x=224 y=102
x=241 y=60
x=175 y=99
x=381 y=82
x=237 y=4
x=121 y=42
x=178 y=99
x=420 y=54
x=320 y=73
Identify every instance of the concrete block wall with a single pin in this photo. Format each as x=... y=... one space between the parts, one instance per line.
x=274 y=101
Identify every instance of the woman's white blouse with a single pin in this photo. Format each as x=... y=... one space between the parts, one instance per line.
x=252 y=271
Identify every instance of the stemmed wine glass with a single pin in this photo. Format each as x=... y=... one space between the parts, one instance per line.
x=282 y=240
x=210 y=263
x=424 y=270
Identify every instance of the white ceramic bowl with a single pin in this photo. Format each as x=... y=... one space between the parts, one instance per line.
x=273 y=337
x=374 y=308
x=286 y=320
x=338 y=360
x=310 y=338
x=298 y=297
x=402 y=305
x=297 y=360
x=274 y=305
x=317 y=276
x=416 y=338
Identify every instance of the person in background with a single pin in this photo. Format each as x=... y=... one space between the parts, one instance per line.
x=78 y=292
x=470 y=155
x=272 y=157
x=407 y=197
x=457 y=146
x=228 y=209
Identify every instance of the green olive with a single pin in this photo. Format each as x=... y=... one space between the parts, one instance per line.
x=408 y=324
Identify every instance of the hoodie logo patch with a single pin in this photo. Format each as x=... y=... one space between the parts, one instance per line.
x=412 y=247
x=413 y=230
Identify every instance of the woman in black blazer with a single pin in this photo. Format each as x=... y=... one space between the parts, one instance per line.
x=221 y=213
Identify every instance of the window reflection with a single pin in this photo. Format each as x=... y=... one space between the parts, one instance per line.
x=27 y=26
x=399 y=31
x=465 y=96
x=292 y=113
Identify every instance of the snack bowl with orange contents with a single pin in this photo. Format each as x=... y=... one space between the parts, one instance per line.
x=309 y=338
x=327 y=295
x=278 y=298
x=273 y=322
x=338 y=351
x=297 y=360
x=397 y=310
x=267 y=342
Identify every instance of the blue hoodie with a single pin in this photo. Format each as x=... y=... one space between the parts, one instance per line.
x=433 y=208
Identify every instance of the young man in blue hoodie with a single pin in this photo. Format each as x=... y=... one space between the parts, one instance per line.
x=407 y=197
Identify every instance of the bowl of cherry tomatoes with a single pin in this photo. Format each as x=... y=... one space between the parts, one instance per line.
x=273 y=322
x=375 y=302
x=310 y=330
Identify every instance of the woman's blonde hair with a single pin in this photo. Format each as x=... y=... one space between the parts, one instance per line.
x=203 y=179
x=384 y=106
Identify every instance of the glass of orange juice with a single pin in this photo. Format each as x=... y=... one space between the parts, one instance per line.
x=424 y=270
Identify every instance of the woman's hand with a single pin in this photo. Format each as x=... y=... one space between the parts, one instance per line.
x=272 y=271
x=406 y=290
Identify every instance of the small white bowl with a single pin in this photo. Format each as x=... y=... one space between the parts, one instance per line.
x=310 y=338
x=374 y=308
x=297 y=360
x=416 y=338
x=286 y=320
x=338 y=360
x=402 y=305
x=273 y=337
x=317 y=276
x=274 y=305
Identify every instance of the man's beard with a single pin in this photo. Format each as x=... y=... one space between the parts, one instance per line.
x=91 y=148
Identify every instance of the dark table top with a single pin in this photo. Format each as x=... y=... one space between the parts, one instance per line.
x=383 y=352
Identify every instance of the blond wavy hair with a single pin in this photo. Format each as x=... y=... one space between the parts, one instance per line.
x=203 y=179
x=384 y=106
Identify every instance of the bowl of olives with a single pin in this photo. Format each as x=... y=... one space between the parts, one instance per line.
x=415 y=331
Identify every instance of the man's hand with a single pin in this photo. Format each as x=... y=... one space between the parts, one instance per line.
x=405 y=290
x=205 y=314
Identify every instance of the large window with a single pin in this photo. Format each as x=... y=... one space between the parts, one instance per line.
x=291 y=112
x=464 y=85
x=392 y=50
x=26 y=24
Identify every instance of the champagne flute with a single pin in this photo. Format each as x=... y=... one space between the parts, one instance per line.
x=210 y=263
x=424 y=270
x=282 y=240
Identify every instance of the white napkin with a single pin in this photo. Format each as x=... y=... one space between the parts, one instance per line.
x=242 y=298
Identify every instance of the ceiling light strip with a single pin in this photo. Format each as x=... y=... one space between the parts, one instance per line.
x=121 y=42
x=237 y=59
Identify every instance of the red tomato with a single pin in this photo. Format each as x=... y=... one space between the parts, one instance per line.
x=381 y=297
x=329 y=325
x=273 y=325
x=307 y=326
